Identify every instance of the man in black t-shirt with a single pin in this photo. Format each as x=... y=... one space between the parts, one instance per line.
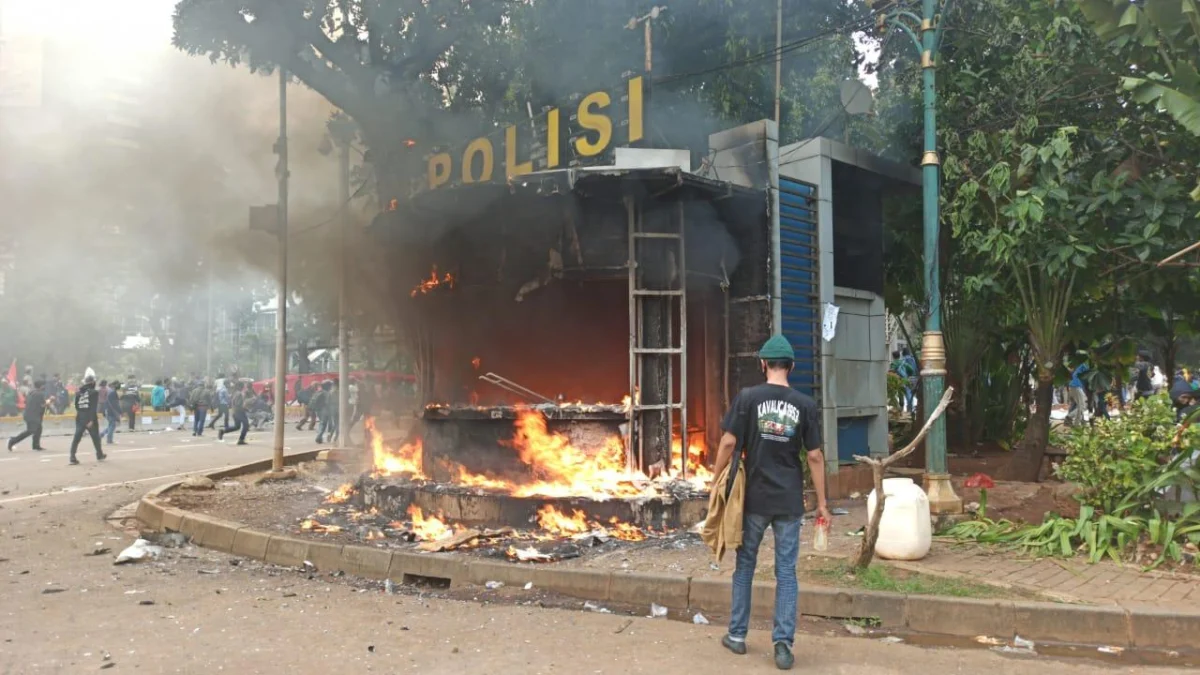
x=768 y=426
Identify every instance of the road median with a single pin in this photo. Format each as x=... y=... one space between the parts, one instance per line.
x=927 y=614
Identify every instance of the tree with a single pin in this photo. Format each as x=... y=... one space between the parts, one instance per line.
x=1048 y=177
x=1160 y=41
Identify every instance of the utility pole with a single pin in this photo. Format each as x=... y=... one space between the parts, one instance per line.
x=778 y=59
x=281 y=354
x=645 y=21
x=942 y=499
x=343 y=340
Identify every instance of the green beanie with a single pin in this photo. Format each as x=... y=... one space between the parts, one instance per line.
x=777 y=348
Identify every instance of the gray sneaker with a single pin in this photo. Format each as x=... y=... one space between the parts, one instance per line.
x=783 y=656
x=736 y=646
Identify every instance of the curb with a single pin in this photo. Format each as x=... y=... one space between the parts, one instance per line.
x=936 y=615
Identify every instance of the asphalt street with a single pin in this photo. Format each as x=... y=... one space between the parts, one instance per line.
x=141 y=456
x=64 y=609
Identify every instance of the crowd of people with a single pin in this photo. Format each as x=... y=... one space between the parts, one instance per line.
x=226 y=405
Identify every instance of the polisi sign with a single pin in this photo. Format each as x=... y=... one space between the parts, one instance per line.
x=588 y=134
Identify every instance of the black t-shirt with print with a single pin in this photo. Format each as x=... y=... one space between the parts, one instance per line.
x=775 y=426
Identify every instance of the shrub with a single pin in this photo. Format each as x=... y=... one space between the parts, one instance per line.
x=1113 y=457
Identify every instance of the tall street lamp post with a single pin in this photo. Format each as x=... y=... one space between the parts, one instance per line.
x=925 y=35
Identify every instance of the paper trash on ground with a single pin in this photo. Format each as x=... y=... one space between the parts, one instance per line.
x=138 y=550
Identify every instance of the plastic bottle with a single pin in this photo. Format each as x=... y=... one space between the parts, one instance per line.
x=821 y=536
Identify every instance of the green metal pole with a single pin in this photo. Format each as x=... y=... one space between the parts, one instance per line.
x=933 y=351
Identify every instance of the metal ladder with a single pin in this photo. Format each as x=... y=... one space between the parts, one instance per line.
x=640 y=353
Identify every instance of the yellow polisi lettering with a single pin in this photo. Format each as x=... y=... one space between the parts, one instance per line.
x=483 y=147
x=511 y=166
x=439 y=169
x=552 y=139
x=594 y=121
x=636 y=110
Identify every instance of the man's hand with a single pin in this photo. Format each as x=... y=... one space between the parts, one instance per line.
x=823 y=512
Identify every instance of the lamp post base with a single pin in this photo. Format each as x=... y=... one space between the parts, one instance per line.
x=942 y=499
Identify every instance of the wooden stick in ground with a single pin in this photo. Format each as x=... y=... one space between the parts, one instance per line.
x=866 y=551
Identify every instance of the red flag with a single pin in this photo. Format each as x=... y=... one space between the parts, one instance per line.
x=12 y=374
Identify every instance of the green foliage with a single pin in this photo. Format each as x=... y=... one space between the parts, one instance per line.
x=1120 y=465
x=1113 y=457
x=895 y=390
x=1159 y=38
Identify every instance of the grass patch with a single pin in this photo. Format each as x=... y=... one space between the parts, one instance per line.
x=882 y=578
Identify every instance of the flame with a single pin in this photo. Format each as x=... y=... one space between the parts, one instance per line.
x=311 y=525
x=698 y=473
x=626 y=531
x=408 y=459
x=432 y=282
x=429 y=528
x=476 y=362
x=554 y=521
x=341 y=495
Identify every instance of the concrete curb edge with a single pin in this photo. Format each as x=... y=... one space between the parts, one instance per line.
x=939 y=615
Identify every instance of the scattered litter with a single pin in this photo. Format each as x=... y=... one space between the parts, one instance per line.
x=627 y=624
x=657 y=611
x=891 y=640
x=289 y=594
x=309 y=566
x=530 y=554
x=208 y=571
x=389 y=587
x=1021 y=643
x=1109 y=649
x=139 y=550
x=106 y=656
x=493 y=585
x=594 y=538
x=109 y=664
x=528 y=585
x=839 y=512
x=52 y=590
x=714 y=567
x=855 y=533
x=854 y=630
x=699 y=619
x=990 y=641
x=166 y=539
x=146 y=603
x=371 y=648
x=593 y=607
x=133 y=592
x=855 y=495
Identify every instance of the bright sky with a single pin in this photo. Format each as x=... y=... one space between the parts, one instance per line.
x=129 y=25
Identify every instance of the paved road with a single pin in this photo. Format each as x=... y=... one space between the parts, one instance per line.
x=195 y=611
x=137 y=456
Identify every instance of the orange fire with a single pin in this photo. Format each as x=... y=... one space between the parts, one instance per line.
x=556 y=522
x=427 y=528
x=340 y=495
x=310 y=525
x=432 y=282
x=476 y=362
x=408 y=459
x=559 y=467
x=626 y=531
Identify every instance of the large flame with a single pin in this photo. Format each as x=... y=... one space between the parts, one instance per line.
x=427 y=528
x=556 y=522
x=408 y=458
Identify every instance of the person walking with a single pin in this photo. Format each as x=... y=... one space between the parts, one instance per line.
x=237 y=406
x=326 y=403
x=199 y=400
x=131 y=400
x=305 y=398
x=35 y=411
x=769 y=426
x=87 y=401
x=1077 y=396
x=222 y=405
x=112 y=411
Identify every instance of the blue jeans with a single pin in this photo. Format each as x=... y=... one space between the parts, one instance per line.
x=787 y=547
x=200 y=415
x=111 y=428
